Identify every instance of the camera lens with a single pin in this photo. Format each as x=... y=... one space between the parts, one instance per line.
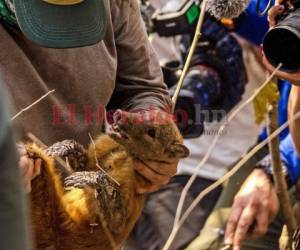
x=282 y=43
x=195 y=105
x=185 y=114
x=171 y=71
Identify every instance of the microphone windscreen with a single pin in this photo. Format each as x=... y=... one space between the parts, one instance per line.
x=226 y=8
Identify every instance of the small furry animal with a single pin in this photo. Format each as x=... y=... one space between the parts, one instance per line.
x=96 y=206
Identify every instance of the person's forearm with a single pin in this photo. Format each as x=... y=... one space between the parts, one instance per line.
x=139 y=81
x=294 y=107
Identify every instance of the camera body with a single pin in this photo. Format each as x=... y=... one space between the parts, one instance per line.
x=176 y=17
x=215 y=81
x=281 y=44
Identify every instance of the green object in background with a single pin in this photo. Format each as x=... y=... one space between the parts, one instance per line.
x=193 y=13
x=6 y=14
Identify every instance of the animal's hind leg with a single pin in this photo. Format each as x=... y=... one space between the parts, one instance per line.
x=72 y=150
x=49 y=199
x=42 y=201
x=108 y=195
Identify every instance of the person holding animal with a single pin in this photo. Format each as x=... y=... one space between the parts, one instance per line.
x=93 y=204
x=95 y=54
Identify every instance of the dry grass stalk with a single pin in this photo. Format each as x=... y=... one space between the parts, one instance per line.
x=36 y=140
x=191 y=53
x=102 y=219
x=219 y=182
x=31 y=105
x=227 y=247
x=97 y=162
x=232 y=115
x=279 y=179
x=67 y=166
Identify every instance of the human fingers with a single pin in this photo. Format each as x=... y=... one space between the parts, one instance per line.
x=144 y=186
x=21 y=149
x=163 y=168
x=273 y=13
x=277 y=2
x=150 y=175
x=274 y=204
x=27 y=166
x=147 y=189
x=232 y=222
x=37 y=168
x=246 y=219
x=293 y=77
x=262 y=220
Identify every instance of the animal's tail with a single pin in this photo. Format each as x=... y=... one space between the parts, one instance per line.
x=74 y=205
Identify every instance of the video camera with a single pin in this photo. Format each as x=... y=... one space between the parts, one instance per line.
x=281 y=44
x=176 y=17
x=215 y=81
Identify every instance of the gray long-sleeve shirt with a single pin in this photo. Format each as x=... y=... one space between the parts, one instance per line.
x=122 y=71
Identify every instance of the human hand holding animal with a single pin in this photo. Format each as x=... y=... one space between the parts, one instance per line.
x=96 y=205
x=30 y=168
x=255 y=205
x=156 y=173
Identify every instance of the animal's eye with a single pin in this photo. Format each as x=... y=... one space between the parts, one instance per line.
x=152 y=132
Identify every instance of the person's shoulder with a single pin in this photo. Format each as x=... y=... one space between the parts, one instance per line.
x=122 y=10
x=124 y=4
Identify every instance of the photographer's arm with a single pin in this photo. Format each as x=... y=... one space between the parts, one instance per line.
x=290 y=158
x=256 y=203
x=294 y=77
x=139 y=80
x=254 y=207
x=294 y=107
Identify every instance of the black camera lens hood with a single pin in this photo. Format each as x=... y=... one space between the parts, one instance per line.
x=281 y=44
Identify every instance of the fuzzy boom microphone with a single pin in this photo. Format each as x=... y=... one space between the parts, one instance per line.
x=226 y=8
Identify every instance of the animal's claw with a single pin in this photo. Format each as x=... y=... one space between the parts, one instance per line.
x=81 y=180
x=74 y=183
x=72 y=150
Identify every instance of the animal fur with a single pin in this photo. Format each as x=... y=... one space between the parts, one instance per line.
x=89 y=210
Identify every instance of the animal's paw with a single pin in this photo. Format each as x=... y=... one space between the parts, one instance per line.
x=72 y=150
x=81 y=180
x=33 y=151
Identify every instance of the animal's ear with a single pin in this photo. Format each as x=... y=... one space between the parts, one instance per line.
x=178 y=150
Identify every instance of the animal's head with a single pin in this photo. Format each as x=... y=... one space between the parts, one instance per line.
x=151 y=135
